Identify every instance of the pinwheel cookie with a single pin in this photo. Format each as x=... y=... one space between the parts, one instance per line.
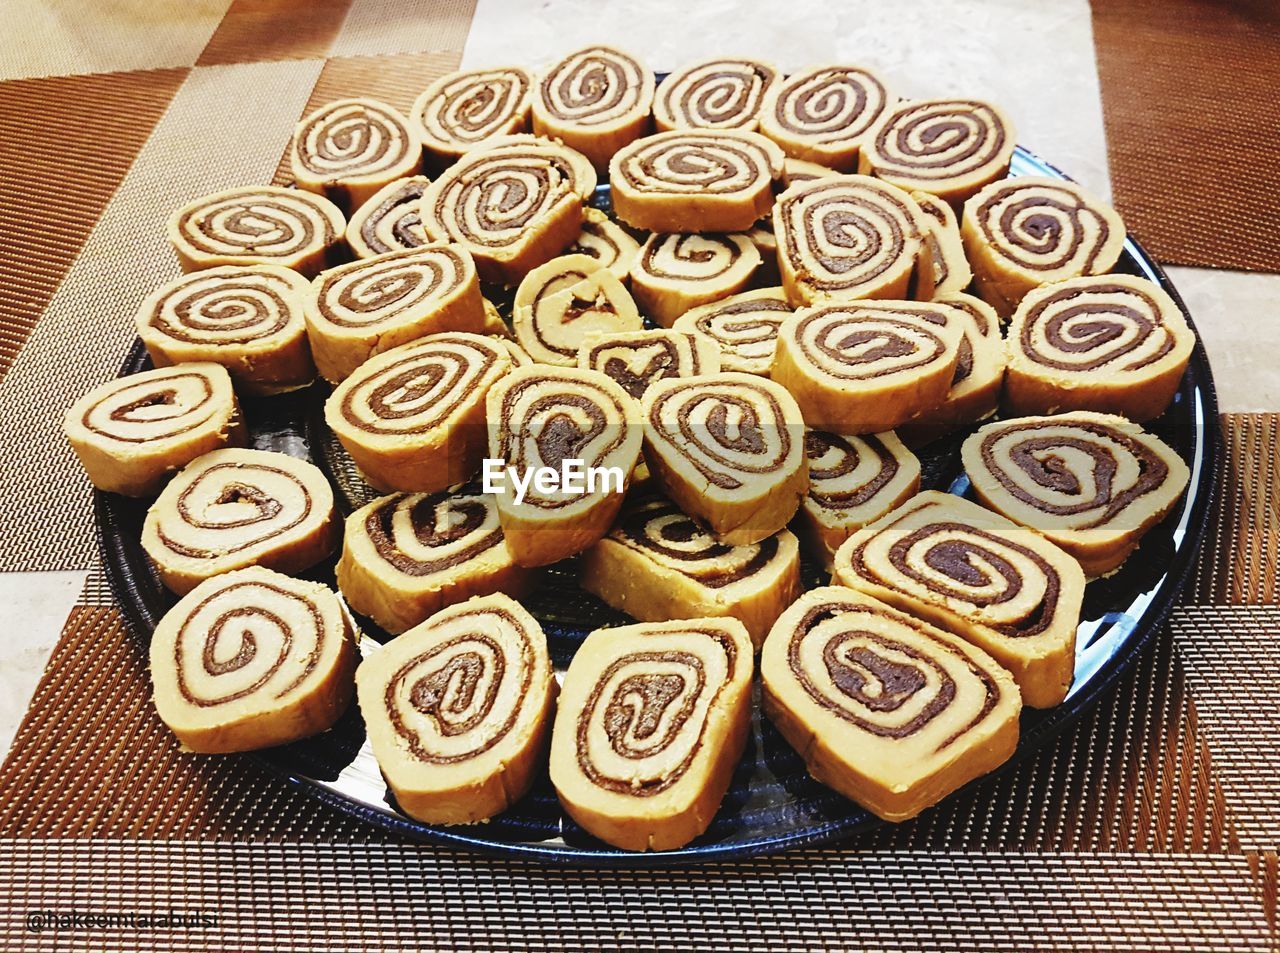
x=947 y=271
x=717 y=93
x=675 y=273
x=822 y=114
x=347 y=150
x=562 y=305
x=636 y=359
x=465 y=111
x=606 y=241
x=391 y=220
x=743 y=326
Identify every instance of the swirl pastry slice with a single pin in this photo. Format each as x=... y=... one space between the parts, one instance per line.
x=371 y=305
x=1110 y=343
x=583 y=172
x=606 y=241
x=853 y=481
x=744 y=327
x=350 y=148
x=252 y=659
x=822 y=114
x=414 y=417
x=235 y=508
x=729 y=449
x=796 y=171
x=717 y=93
x=651 y=723
x=1021 y=233
x=637 y=359
x=519 y=357
x=657 y=564
x=409 y=555
x=248 y=318
x=595 y=100
x=674 y=273
x=258 y=225
x=866 y=367
x=888 y=711
x=849 y=237
x=458 y=710
x=131 y=433
x=1004 y=588
x=1094 y=484
x=695 y=181
x=512 y=208
x=466 y=110
x=562 y=304
x=950 y=272
x=948 y=147
x=391 y=220
x=560 y=420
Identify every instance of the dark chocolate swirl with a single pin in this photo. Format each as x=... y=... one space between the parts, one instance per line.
x=157 y=405
x=685 y=258
x=382 y=290
x=257 y=223
x=391 y=220
x=714 y=94
x=825 y=104
x=939 y=143
x=744 y=327
x=864 y=341
x=595 y=86
x=421 y=535
x=351 y=138
x=460 y=111
x=847 y=472
x=697 y=162
x=227 y=306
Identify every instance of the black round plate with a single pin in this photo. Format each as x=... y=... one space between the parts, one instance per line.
x=772 y=802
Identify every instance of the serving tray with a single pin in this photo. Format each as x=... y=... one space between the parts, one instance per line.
x=772 y=803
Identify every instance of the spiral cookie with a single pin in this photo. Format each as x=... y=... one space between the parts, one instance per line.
x=1021 y=233
x=583 y=172
x=1092 y=483
x=258 y=225
x=414 y=417
x=890 y=712
x=961 y=567
x=868 y=366
x=744 y=327
x=717 y=93
x=728 y=448
x=557 y=418
x=458 y=710
x=391 y=220
x=651 y=722
x=512 y=208
x=595 y=100
x=657 y=564
x=636 y=359
x=853 y=481
x=252 y=659
x=464 y=111
x=796 y=171
x=702 y=180
x=1110 y=343
x=375 y=304
x=248 y=318
x=823 y=113
x=350 y=148
x=948 y=147
x=131 y=433
x=674 y=273
x=560 y=305
x=235 y=508
x=848 y=237
x=605 y=241
x=950 y=272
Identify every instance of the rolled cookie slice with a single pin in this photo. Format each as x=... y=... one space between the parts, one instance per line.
x=651 y=723
x=583 y=173
x=132 y=433
x=252 y=659
x=657 y=564
x=1004 y=588
x=458 y=709
x=594 y=100
x=1110 y=343
x=729 y=449
x=547 y=420
x=350 y=148
x=1094 y=484
x=372 y=305
x=702 y=180
x=248 y=318
x=822 y=114
x=675 y=273
x=795 y=171
x=948 y=272
x=867 y=367
x=1024 y=232
x=853 y=481
x=414 y=417
x=636 y=359
x=887 y=710
x=717 y=93
x=258 y=225
x=561 y=305
x=391 y=220
x=605 y=240
x=235 y=508
x=466 y=110
x=743 y=326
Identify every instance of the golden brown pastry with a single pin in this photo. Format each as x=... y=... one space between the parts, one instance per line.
x=795 y=171
x=652 y=721
x=890 y=712
x=744 y=326
x=949 y=273
x=675 y=273
x=716 y=93
x=607 y=241
x=636 y=359
x=583 y=173
x=822 y=114
x=350 y=148
x=389 y=221
x=464 y=111
x=458 y=710
x=252 y=659
x=561 y=305
x=132 y=433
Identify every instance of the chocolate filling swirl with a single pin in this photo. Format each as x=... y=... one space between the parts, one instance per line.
x=863 y=342
x=226 y=510
x=939 y=139
x=225 y=309
x=829 y=482
x=694 y=163
x=266 y=223
x=143 y=411
x=490 y=199
x=1109 y=325
x=666 y=535
x=829 y=104
x=378 y=290
x=423 y=535
x=352 y=138
x=1042 y=227
x=592 y=87
x=474 y=106
x=718 y=94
